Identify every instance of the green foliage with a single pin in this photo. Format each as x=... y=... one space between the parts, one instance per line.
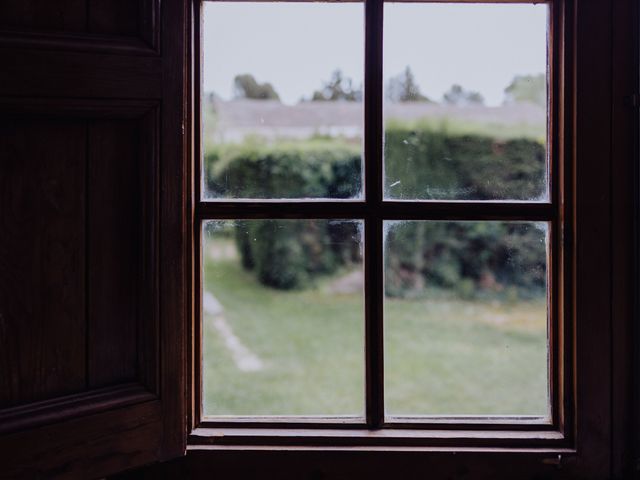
x=470 y=258
x=245 y=86
x=403 y=88
x=426 y=163
x=312 y=169
x=528 y=88
x=338 y=88
x=289 y=254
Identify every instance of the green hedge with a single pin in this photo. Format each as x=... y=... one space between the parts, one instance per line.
x=428 y=164
x=470 y=257
x=309 y=169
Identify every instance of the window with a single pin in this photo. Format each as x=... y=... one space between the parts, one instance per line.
x=459 y=202
x=96 y=377
x=360 y=245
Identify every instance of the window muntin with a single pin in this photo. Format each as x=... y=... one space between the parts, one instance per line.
x=374 y=211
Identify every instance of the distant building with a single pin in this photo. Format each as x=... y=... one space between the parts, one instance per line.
x=234 y=120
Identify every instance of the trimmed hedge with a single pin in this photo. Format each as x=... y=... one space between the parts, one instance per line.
x=428 y=164
x=311 y=169
x=469 y=257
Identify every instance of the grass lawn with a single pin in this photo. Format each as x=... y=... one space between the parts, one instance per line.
x=442 y=356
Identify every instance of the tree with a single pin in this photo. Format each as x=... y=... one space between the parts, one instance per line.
x=246 y=86
x=460 y=97
x=403 y=88
x=527 y=88
x=338 y=88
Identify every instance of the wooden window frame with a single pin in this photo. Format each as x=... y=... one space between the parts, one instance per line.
x=582 y=325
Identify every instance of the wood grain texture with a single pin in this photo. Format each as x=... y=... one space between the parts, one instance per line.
x=68 y=407
x=175 y=221
x=297 y=464
x=113 y=257
x=591 y=234
x=89 y=447
x=61 y=15
x=114 y=104
x=42 y=214
x=39 y=72
x=114 y=17
x=624 y=128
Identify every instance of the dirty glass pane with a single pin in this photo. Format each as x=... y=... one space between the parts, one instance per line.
x=466 y=109
x=282 y=100
x=466 y=318
x=283 y=317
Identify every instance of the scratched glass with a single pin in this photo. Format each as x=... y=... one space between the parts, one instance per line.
x=466 y=318
x=282 y=103
x=283 y=318
x=465 y=101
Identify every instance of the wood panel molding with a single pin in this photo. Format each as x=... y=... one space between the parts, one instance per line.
x=110 y=442
x=39 y=73
x=93 y=92
x=71 y=406
x=113 y=380
x=146 y=42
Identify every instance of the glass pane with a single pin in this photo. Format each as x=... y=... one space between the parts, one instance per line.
x=466 y=318
x=283 y=317
x=465 y=102
x=282 y=100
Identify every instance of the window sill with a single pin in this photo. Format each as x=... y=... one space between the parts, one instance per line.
x=393 y=439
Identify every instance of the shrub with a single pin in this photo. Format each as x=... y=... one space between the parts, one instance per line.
x=472 y=258
x=458 y=255
x=311 y=169
x=289 y=254
x=433 y=164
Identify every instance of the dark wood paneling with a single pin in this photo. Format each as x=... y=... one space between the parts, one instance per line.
x=114 y=17
x=42 y=214
x=104 y=78
x=623 y=134
x=77 y=24
x=64 y=408
x=83 y=448
x=592 y=236
x=176 y=220
x=110 y=26
x=355 y=465
x=113 y=257
x=40 y=73
x=58 y=15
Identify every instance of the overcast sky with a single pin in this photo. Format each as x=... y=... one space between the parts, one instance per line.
x=296 y=46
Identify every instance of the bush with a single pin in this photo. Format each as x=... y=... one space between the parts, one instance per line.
x=471 y=258
x=312 y=169
x=289 y=254
x=461 y=255
x=433 y=164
